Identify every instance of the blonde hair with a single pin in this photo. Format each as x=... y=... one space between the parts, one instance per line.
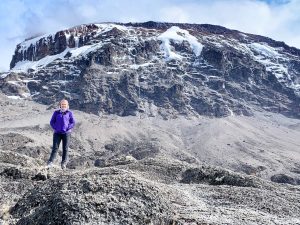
x=64 y=100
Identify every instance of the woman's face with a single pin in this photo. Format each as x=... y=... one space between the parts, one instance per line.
x=64 y=105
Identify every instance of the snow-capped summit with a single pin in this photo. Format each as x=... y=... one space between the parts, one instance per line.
x=157 y=68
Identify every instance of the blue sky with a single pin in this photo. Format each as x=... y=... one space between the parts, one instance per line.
x=20 y=19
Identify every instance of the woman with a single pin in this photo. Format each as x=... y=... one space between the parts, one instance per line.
x=62 y=122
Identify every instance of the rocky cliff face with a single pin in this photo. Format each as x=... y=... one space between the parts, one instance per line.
x=157 y=69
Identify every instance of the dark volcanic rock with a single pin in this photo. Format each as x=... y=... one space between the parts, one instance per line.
x=13 y=140
x=283 y=178
x=104 y=199
x=40 y=177
x=13 y=173
x=215 y=177
x=115 y=161
x=138 y=149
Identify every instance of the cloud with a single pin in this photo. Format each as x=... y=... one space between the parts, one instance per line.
x=19 y=19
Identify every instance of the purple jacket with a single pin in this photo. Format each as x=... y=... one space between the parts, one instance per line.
x=62 y=122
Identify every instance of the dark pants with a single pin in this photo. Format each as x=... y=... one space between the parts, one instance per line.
x=57 y=138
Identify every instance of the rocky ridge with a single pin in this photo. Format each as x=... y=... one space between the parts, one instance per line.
x=157 y=69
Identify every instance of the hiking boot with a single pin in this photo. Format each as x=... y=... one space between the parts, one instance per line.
x=63 y=166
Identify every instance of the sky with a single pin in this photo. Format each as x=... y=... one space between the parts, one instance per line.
x=20 y=19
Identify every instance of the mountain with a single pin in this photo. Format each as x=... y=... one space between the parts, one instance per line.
x=157 y=69
x=175 y=124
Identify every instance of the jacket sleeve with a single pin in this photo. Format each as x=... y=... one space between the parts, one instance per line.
x=53 y=120
x=71 y=121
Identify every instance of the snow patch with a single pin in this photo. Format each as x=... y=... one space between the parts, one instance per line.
x=178 y=35
x=36 y=93
x=14 y=97
x=109 y=26
x=4 y=75
x=26 y=44
x=14 y=82
x=269 y=57
x=24 y=66
x=76 y=41
x=84 y=50
x=26 y=95
x=265 y=50
x=136 y=66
